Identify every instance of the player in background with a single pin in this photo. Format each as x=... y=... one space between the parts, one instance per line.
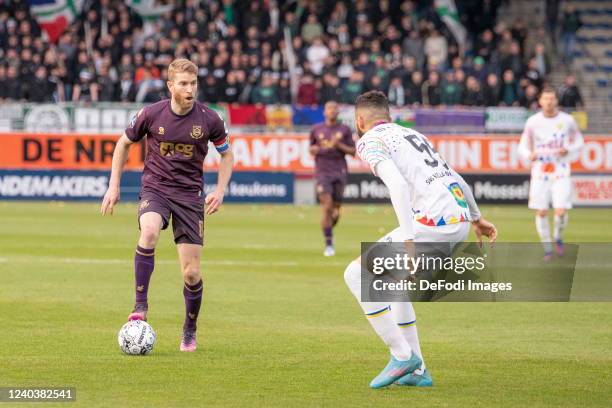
x=330 y=142
x=432 y=204
x=551 y=140
x=177 y=134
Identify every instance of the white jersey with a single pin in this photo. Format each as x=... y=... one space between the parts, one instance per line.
x=546 y=137
x=437 y=197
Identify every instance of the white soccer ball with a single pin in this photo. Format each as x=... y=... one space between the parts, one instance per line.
x=136 y=337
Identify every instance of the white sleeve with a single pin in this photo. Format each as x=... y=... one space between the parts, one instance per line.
x=372 y=150
x=525 y=145
x=576 y=141
x=401 y=195
x=469 y=197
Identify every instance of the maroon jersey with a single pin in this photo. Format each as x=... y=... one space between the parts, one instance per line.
x=176 y=146
x=330 y=161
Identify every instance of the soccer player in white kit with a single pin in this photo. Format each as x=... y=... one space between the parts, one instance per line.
x=551 y=140
x=432 y=203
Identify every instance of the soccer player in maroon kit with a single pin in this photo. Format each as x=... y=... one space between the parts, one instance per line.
x=330 y=141
x=178 y=131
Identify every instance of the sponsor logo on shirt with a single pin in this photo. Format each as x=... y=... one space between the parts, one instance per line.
x=168 y=149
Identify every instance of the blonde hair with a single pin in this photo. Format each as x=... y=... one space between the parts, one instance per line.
x=181 y=65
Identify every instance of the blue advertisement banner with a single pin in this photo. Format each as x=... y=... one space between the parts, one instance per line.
x=255 y=187
x=307 y=115
x=75 y=185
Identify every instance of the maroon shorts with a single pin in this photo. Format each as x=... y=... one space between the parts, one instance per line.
x=187 y=215
x=332 y=186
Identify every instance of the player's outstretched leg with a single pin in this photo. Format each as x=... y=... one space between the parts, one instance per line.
x=405 y=317
x=543 y=228
x=403 y=361
x=561 y=217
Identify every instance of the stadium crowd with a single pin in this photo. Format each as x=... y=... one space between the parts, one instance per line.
x=341 y=48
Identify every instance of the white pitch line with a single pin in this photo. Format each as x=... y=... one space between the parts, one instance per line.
x=97 y=261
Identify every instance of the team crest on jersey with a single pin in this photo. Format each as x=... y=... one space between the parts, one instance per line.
x=161 y=130
x=144 y=204
x=196 y=132
x=457 y=193
x=338 y=135
x=321 y=136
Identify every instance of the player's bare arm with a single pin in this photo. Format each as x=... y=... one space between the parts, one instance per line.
x=120 y=156
x=215 y=199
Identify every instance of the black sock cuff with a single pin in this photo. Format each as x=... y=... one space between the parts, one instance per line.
x=144 y=251
x=194 y=288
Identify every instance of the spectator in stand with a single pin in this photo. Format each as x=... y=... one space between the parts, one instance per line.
x=533 y=75
x=108 y=87
x=284 y=91
x=127 y=88
x=436 y=49
x=265 y=93
x=312 y=28
x=307 y=91
x=491 y=91
x=231 y=92
x=529 y=99
x=570 y=94
x=413 y=45
x=570 y=24
x=85 y=89
x=485 y=46
x=396 y=94
x=513 y=61
x=40 y=89
x=509 y=94
x=353 y=88
x=414 y=94
x=432 y=92
x=542 y=59
x=331 y=89
x=472 y=96
x=452 y=89
x=479 y=70
x=316 y=55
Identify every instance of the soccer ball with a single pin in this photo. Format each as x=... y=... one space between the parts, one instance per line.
x=136 y=337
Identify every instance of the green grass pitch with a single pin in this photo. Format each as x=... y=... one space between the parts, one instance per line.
x=278 y=328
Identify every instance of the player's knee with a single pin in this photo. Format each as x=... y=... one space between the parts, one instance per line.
x=542 y=213
x=191 y=274
x=149 y=236
x=560 y=212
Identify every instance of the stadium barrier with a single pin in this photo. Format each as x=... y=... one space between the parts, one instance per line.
x=273 y=167
x=111 y=118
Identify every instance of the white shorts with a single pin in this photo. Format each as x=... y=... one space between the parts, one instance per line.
x=453 y=233
x=543 y=192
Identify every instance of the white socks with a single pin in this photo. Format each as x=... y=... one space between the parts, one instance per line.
x=543 y=228
x=379 y=316
x=560 y=224
x=405 y=318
